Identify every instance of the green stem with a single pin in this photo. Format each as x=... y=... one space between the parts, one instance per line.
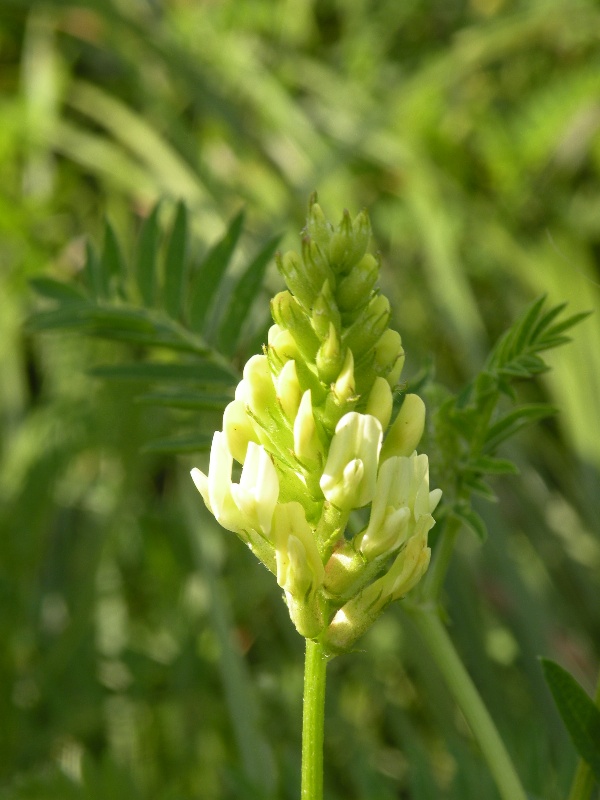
x=469 y=701
x=584 y=779
x=434 y=579
x=313 y=721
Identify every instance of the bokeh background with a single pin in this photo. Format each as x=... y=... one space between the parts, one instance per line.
x=143 y=653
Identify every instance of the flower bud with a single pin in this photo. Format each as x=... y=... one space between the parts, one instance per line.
x=407 y=429
x=325 y=312
x=349 y=242
x=292 y=269
x=350 y=474
x=238 y=429
x=330 y=356
x=317 y=227
x=389 y=356
x=281 y=348
x=288 y=314
x=316 y=266
x=380 y=402
x=288 y=390
x=342 y=398
x=344 y=388
x=307 y=446
x=354 y=291
x=258 y=390
x=364 y=332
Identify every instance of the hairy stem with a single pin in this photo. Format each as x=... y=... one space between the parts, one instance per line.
x=313 y=721
x=468 y=699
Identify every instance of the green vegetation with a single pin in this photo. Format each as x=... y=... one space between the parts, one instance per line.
x=145 y=654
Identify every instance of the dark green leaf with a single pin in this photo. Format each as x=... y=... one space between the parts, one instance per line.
x=175 y=264
x=579 y=714
x=94 y=275
x=90 y=318
x=472 y=520
x=492 y=466
x=202 y=372
x=241 y=298
x=180 y=444
x=480 y=487
x=512 y=422
x=527 y=325
x=190 y=400
x=575 y=319
x=112 y=260
x=208 y=276
x=543 y=325
x=57 y=290
x=146 y=257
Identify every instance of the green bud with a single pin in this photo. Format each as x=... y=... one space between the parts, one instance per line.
x=344 y=388
x=330 y=356
x=350 y=241
x=407 y=429
x=281 y=348
x=316 y=266
x=380 y=402
x=389 y=356
x=317 y=227
x=292 y=269
x=365 y=331
x=288 y=314
x=325 y=312
x=354 y=291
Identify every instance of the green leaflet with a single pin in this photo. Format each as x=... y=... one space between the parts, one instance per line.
x=205 y=281
x=242 y=296
x=470 y=426
x=146 y=257
x=176 y=265
x=579 y=714
x=144 y=302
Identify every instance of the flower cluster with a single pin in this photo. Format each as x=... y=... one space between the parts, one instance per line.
x=311 y=425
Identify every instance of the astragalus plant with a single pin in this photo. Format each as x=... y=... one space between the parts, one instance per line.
x=317 y=466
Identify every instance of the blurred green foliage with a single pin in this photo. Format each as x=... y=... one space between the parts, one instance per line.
x=144 y=655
